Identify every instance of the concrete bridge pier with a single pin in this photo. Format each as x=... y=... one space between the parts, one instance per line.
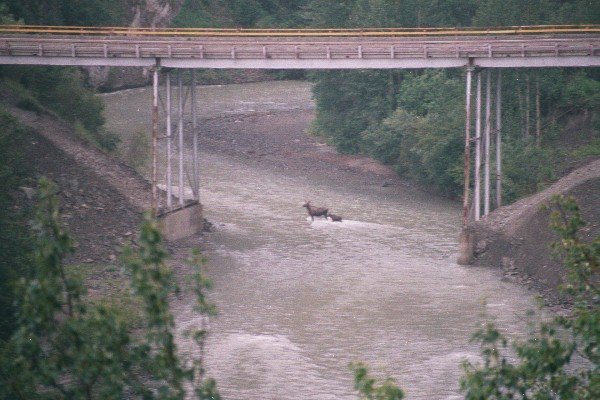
x=184 y=219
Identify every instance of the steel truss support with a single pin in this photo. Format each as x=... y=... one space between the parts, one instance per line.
x=196 y=188
x=183 y=168
x=483 y=147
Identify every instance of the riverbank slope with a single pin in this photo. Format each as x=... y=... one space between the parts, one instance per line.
x=517 y=237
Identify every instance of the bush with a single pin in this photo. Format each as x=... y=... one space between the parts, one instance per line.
x=527 y=169
x=67 y=347
x=369 y=389
x=61 y=91
x=15 y=245
x=423 y=138
x=544 y=366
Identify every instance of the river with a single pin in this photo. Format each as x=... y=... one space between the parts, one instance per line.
x=299 y=300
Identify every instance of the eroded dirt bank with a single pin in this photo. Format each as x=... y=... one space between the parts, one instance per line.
x=101 y=199
x=517 y=237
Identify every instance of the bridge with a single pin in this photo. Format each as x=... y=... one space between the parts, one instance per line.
x=474 y=49
x=516 y=47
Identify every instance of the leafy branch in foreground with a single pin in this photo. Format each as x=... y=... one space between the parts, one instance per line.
x=68 y=348
x=368 y=387
x=562 y=359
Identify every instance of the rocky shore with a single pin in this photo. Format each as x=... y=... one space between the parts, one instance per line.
x=517 y=237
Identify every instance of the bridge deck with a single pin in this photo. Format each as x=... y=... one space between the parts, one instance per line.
x=314 y=51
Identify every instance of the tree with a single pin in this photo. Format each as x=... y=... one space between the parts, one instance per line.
x=545 y=368
x=347 y=103
x=69 y=12
x=67 y=347
x=327 y=14
x=422 y=139
x=15 y=243
x=6 y=18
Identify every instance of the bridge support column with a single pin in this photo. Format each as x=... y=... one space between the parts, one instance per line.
x=154 y=203
x=169 y=142
x=487 y=142
x=467 y=159
x=466 y=239
x=499 y=139
x=196 y=188
x=180 y=108
x=477 y=141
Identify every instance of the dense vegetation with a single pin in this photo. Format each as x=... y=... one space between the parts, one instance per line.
x=561 y=359
x=69 y=346
x=15 y=244
x=61 y=91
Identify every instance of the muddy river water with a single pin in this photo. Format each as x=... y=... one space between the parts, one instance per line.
x=298 y=300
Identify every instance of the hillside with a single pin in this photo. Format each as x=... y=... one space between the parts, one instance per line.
x=517 y=237
x=101 y=198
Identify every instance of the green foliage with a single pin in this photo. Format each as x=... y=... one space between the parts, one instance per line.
x=422 y=139
x=203 y=14
x=61 y=91
x=527 y=169
x=592 y=149
x=582 y=92
x=411 y=13
x=545 y=368
x=348 y=102
x=328 y=14
x=14 y=234
x=576 y=12
x=513 y=12
x=66 y=347
x=72 y=12
x=29 y=104
x=242 y=13
x=369 y=389
x=6 y=18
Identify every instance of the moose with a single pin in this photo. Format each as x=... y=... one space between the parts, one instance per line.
x=334 y=218
x=321 y=212
x=315 y=211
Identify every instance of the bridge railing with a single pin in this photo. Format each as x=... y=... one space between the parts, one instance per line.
x=228 y=32
x=22 y=46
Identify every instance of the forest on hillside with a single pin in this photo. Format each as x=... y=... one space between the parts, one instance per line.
x=412 y=120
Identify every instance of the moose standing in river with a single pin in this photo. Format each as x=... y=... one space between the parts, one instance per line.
x=315 y=211
x=334 y=218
